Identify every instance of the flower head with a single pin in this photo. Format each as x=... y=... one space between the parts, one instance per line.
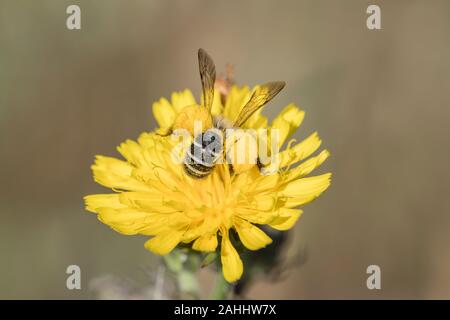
x=154 y=196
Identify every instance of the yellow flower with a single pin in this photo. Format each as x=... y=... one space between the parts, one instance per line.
x=155 y=197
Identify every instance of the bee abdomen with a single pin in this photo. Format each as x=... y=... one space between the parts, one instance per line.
x=197 y=171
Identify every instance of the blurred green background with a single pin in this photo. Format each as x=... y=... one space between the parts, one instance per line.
x=379 y=99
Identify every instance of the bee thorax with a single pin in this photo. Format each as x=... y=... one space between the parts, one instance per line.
x=203 y=153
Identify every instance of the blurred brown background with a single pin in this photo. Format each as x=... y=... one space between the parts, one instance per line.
x=379 y=100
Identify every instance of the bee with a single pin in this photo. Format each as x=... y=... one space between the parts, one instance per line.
x=208 y=146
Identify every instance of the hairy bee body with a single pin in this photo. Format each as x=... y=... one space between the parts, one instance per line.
x=203 y=154
x=206 y=149
x=208 y=146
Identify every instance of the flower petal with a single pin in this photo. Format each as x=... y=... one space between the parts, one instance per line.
x=256 y=121
x=264 y=183
x=165 y=242
x=156 y=225
x=127 y=216
x=164 y=113
x=125 y=229
x=265 y=202
x=300 y=151
x=133 y=152
x=286 y=219
x=116 y=174
x=250 y=235
x=95 y=201
x=236 y=99
x=148 y=201
x=304 y=190
x=126 y=220
x=307 y=167
x=287 y=122
x=231 y=262
x=182 y=99
x=206 y=243
x=255 y=216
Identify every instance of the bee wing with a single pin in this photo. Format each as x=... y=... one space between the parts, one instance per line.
x=208 y=77
x=263 y=94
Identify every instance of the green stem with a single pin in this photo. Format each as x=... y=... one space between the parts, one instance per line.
x=188 y=285
x=184 y=266
x=221 y=288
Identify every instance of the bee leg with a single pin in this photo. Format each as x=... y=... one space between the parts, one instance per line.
x=231 y=169
x=259 y=164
